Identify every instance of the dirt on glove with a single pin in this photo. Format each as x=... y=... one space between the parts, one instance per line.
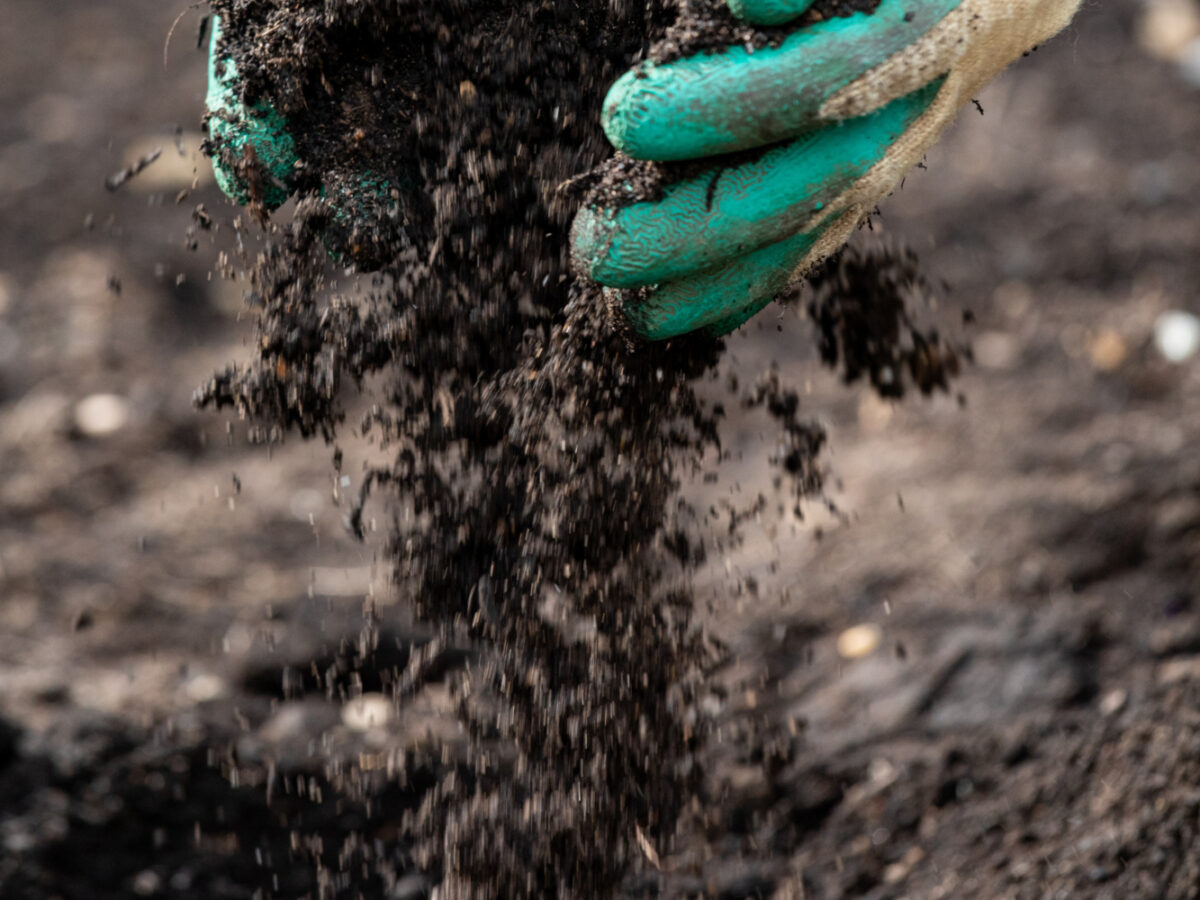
x=708 y=25
x=536 y=454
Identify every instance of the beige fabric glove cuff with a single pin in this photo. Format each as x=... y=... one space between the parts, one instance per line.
x=971 y=45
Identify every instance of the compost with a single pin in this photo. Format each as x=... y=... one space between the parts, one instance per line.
x=537 y=453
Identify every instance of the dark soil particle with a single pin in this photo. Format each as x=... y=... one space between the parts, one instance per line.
x=861 y=307
x=538 y=456
x=118 y=180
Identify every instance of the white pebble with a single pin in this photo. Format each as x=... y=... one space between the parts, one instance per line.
x=101 y=414
x=996 y=350
x=1177 y=335
x=147 y=883
x=859 y=641
x=204 y=687
x=1113 y=702
x=1166 y=27
x=367 y=712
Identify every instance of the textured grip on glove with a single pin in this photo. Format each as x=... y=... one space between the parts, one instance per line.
x=704 y=265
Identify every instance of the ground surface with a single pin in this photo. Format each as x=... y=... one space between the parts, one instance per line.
x=1028 y=725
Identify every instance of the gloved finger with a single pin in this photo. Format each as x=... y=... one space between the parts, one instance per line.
x=768 y=12
x=254 y=154
x=736 y=99
x=722 y=298
x=714 y=217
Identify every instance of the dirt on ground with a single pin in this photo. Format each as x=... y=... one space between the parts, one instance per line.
x=964 y=664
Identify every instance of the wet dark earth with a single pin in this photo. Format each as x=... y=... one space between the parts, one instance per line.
x=969 y=670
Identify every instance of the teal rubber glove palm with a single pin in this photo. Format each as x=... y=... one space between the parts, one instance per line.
x=833 y=116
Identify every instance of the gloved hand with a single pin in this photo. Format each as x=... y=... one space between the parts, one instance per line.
x=844 y=108
x=256 y=161
x=253 y=153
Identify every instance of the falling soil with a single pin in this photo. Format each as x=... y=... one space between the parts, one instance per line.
x=537 y=454
x=862 y=307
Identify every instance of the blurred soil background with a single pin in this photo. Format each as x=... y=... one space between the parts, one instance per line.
x=979 y=677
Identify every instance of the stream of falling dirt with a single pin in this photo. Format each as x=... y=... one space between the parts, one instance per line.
x=539 y=455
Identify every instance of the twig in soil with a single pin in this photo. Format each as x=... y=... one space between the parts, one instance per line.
x=647 y=847
x=115 y=181
x=175 y=24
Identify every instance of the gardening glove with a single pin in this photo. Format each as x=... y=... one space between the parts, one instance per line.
x=256 y=161
x=838 y=112
x=253 y=154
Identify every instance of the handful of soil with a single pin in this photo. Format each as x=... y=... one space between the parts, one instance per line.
x=538 y=456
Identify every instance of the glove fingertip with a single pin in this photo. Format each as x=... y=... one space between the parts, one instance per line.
x=585 y=240
x=721 y=299
x=768 y=12
x=626 y=111
x=613 y=117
